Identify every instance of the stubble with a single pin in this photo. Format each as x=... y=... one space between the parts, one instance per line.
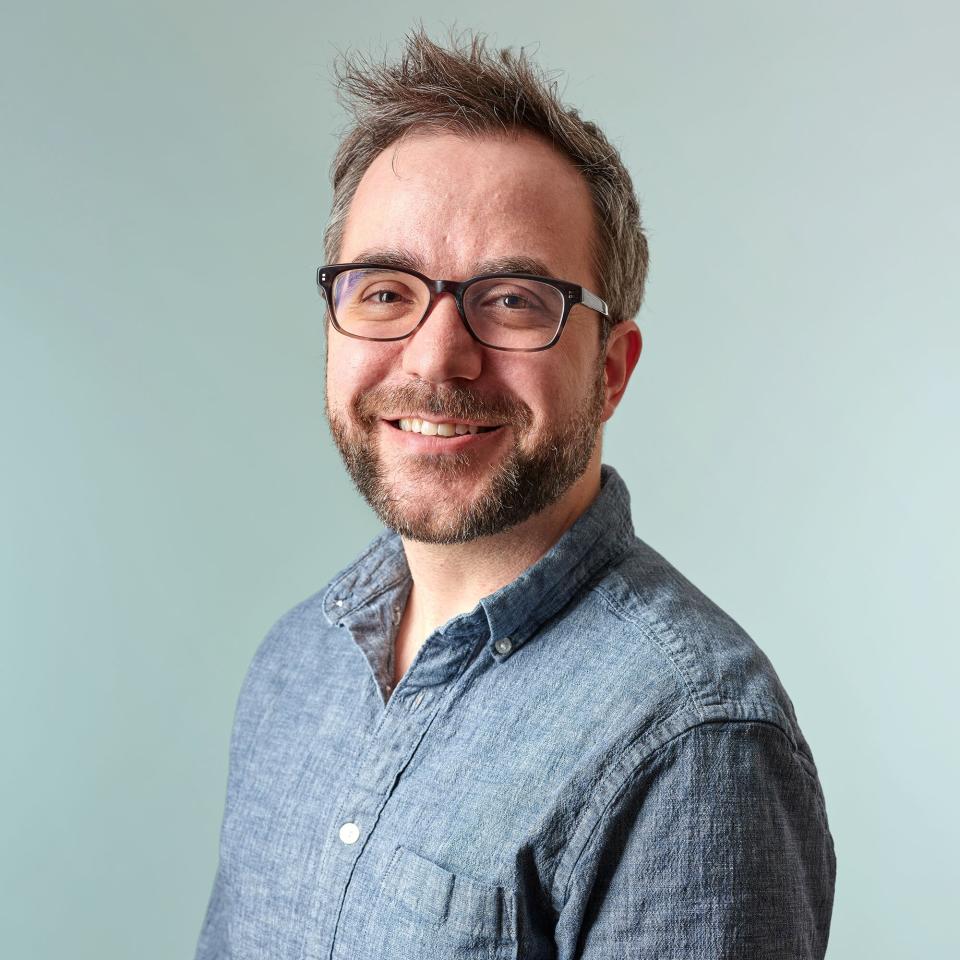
x=526 y=480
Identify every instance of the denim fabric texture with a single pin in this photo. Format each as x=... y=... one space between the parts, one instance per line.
x=595 y=762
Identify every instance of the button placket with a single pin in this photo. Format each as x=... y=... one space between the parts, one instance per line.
x=396 y=736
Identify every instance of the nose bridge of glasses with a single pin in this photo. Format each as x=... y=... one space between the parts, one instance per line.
x=439 y=287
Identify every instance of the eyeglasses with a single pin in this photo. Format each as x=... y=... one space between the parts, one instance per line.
x=507 y=311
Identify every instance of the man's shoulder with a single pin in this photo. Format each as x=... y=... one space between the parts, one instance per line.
x=709 y=667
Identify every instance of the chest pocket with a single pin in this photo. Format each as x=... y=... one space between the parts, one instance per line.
x=448 y=915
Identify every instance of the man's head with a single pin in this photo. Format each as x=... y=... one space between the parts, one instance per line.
x=464 y=163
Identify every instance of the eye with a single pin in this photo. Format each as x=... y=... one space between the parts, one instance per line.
x=497 y=304
x=385 y=296
x=514 y=300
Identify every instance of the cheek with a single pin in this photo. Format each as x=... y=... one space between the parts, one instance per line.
x=552 y=387
x=354 y=366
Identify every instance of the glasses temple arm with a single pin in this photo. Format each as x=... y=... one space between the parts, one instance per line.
x=592 y=301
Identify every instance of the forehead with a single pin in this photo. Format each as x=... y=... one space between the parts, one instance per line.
x=452 y=202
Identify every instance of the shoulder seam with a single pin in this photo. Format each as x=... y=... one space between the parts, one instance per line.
x=652 y=635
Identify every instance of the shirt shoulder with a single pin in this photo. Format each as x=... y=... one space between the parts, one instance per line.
x=709 y=668
x=679 y=679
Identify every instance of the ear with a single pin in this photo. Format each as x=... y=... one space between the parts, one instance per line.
x=623 y=351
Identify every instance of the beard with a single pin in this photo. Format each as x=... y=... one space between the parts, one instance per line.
x=523 y=483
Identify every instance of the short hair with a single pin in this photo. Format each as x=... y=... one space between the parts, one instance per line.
x=466 y=88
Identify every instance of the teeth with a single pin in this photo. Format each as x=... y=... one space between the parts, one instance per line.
x=429 y=429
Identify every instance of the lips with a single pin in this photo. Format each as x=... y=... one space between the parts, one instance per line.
x=464 y=411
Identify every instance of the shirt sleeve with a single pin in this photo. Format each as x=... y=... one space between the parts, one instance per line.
x=212 y=943
x=263 y=682
x=715 y=847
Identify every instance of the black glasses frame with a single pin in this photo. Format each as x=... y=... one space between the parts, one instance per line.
x=573 y=294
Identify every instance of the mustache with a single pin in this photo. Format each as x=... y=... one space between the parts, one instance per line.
x=451 y=403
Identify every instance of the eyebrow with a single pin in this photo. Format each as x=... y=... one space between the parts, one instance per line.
x=404 y=260
x=514 y=265
x=391 y=257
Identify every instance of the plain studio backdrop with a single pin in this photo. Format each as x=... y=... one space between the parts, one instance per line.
x=169 y=487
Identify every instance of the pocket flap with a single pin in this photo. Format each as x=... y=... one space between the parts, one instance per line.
x=458 y=902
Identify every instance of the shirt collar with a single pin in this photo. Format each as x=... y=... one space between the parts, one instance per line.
x=599 y=536
x=515 y=612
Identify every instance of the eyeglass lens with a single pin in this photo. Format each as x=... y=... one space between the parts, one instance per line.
x=384 y=304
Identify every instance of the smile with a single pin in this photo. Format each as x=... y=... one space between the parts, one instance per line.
x=429 y=428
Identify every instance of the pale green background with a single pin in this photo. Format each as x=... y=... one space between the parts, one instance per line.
x=169 y=489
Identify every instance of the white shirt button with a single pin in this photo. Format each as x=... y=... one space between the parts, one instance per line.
x=504 y=645
x=349 y=833
x=418 y=699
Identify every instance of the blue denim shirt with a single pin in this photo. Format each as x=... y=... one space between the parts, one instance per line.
x=596 y=761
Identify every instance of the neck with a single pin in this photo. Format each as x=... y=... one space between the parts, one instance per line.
x=451 y=579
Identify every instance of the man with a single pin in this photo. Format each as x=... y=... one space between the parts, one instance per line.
x=510 y=729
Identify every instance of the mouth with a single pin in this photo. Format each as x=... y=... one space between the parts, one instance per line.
x=441 y=428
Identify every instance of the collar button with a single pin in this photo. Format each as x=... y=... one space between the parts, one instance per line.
x=503 y=646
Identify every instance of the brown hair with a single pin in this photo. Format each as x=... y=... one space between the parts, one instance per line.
x=466 y=87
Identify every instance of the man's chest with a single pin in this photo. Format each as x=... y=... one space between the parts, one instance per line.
x=429 y=825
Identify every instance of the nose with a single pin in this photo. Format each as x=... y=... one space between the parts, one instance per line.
x=442 y=348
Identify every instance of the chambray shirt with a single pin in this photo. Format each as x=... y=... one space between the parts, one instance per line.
x=595 y=761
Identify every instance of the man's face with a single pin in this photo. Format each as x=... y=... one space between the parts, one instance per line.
x=452 y=208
